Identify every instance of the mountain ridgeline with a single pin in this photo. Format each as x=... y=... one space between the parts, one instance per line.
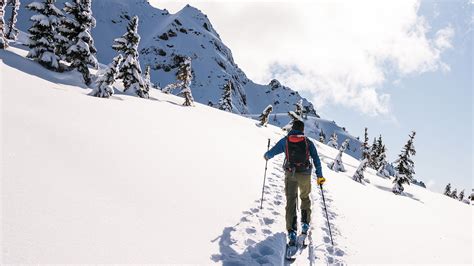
x=167 y=39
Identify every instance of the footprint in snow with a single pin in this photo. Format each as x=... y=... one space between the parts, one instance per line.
x=244 y=219
x=266 y=231
x=250 y=230
x=339 y=252
x=268 y=221
x=249 y=242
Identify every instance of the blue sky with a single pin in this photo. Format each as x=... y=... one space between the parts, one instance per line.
x=391 y=66
x=437 y=105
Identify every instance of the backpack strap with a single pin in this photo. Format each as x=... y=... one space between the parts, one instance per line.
x=307 y=148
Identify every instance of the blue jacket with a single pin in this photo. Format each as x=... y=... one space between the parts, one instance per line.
x=280 y=148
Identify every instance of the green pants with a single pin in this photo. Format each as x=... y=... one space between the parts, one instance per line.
x=293 y=181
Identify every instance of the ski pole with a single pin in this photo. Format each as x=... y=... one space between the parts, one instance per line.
x=327 y=217
x=264 y=176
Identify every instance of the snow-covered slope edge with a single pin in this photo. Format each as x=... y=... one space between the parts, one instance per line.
x=127 y=180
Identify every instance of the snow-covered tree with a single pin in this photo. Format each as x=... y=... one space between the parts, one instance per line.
x=322 y=136
x=359 y=173
x=299 y=107
x=454 y=194
x=225 y=103
x=79 y=45
x=3 y=39
x=147 y=80
x=130 y=71
x=373 y=154
x=337 y=165
x=293 y=117
x=333 y=141
x=12 y=31
x=184 y=77
x=447 y=190
x=461 y=195
x=44 y=35
x=365 y=146
x=106 y=80
x=382 y=163
x=405 y=165
x=265 y=114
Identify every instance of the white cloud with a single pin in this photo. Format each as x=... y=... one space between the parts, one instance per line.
x=341 y=52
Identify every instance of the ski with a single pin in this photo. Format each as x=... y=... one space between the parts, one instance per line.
x=290 y=252
x=301 y=240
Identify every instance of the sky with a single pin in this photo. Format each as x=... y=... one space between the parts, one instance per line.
x=390 y=66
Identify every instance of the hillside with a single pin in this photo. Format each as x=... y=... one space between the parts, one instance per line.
x=128 y=180
x=166 y=37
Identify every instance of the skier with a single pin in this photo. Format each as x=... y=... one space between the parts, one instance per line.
x=297 y=167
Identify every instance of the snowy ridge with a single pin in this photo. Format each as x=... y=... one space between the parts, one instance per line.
x=168 y=37
x=92 y=180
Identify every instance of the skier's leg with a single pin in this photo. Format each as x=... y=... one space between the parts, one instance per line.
x=304 y=184
x=291 y=192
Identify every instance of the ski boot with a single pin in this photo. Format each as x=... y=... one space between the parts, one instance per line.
x=291 y=247
x=304 y=228
x=292 y=238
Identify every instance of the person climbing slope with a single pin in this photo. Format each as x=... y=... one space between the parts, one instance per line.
x=297 y=148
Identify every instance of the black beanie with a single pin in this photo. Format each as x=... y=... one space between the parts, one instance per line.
x=298 y=125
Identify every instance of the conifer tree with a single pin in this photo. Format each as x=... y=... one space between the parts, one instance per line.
x=147 y=80
x=225 y=103
x=3 y=39
x=373 y=155
x=184 y=78
x=454 y=194
x=382 y=163
x=337 y=165
x=359 y=173
x=12 y=31
x=130 y=71
x=44 y=35
x=79 y=44
x=365 y=146
x=265 y=114
x=405 y=166
x=447 y=190
x=322 y=136
x=333 y=141
x=380 y=155
x=105 y=81
x=461 y=195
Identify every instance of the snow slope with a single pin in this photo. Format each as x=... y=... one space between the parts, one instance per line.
x=128 y=180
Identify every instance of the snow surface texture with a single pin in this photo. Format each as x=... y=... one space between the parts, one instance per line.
x=151 y=181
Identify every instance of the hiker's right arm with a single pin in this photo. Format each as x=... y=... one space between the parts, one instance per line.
x=277 y=149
